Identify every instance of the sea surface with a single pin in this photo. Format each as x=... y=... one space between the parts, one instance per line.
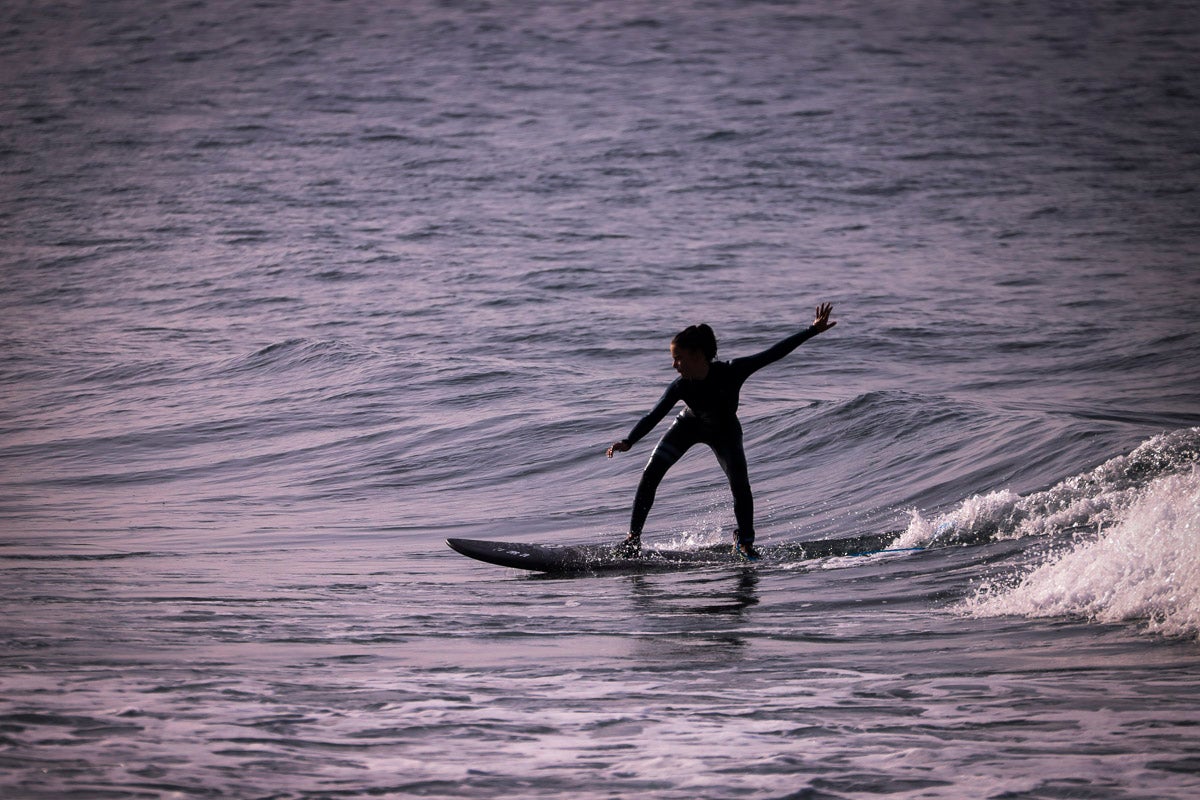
x=290 y=292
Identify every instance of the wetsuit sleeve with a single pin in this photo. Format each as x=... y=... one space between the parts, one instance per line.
x=646 y=424
x=751 y=364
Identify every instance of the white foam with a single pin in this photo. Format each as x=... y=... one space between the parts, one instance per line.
x=1088 y=501
x=1145 y=568
x=976 y=513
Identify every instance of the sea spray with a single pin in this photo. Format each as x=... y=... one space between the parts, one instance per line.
x=1145 y=568
x=1083 y=504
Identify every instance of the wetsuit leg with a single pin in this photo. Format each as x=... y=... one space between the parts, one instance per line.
x=732 y=458
x=678 y=439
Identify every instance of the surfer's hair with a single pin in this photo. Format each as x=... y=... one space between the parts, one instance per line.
x=698 y=337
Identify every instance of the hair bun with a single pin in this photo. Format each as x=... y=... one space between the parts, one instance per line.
x=698 y=337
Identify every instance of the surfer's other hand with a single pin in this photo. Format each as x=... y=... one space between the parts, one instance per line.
x=822 y=322
x=618 y=447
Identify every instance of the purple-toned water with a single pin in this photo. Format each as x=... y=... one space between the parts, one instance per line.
x=292 y=291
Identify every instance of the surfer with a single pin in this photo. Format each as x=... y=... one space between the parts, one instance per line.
x=709 y=390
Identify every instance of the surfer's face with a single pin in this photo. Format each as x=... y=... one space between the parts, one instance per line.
x=689 y=363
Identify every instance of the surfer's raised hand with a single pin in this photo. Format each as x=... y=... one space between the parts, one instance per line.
x=618 y=447
x=822 y=322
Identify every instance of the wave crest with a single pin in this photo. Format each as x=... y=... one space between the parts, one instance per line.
x=1144 y=569
x=1082 y=503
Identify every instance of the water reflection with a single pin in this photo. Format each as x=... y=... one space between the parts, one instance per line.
x=695 y=616
x=722 y=594
x=743 y=596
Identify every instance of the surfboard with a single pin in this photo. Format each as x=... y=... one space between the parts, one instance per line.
x=595 y=558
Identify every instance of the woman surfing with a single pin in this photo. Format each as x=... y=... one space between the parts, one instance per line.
x=709 y=390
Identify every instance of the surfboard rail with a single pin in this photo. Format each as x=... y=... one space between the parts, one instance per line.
x=594 y=558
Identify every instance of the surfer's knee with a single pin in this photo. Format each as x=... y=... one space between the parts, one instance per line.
x=663 y=458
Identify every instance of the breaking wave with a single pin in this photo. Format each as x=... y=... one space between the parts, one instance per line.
x=1144 y=568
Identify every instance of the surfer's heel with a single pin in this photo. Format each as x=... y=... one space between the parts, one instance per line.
x=744 y=550
x=631 y=547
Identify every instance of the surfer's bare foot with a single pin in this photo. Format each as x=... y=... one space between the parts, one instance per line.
x=631 y=547
x=746 y=551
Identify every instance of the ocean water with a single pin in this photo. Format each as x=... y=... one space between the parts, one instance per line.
x=292 y=291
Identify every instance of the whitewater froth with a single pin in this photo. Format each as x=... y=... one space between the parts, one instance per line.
x=1143 y=569
x=1084 y=503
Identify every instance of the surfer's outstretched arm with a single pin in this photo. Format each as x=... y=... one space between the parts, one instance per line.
x=822 y=323
x=645 y=424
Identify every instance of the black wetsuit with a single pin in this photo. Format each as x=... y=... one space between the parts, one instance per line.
x=710 y=417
